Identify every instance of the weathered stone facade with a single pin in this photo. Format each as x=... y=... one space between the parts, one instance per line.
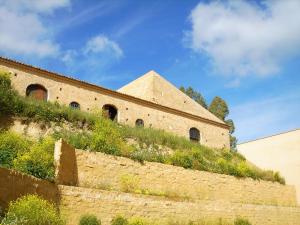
x=172 y=111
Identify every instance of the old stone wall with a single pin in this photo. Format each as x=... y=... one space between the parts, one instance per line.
x=14 y=184
x=65 y=162
x=99 y=170
x=76 y=201
x=65 y=92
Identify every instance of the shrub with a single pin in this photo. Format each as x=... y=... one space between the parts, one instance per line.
x=32 y=210
x=279 y=178
x=241 y=221
x=129 y=183
x=38 y=161
x=181 y=158
x=89 y=220
x=79 y=140
x=119 y=220
x=8 y=96
x=106 y=137
x=139 y=221
x=150 y=154
x=10 y=145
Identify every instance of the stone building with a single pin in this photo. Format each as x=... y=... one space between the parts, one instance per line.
x=148 y=101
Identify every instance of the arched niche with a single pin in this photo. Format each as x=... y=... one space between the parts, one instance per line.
x=37 y=92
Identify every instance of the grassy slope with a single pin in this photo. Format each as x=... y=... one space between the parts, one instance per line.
x=109 y=137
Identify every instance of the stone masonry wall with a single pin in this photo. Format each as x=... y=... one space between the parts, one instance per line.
x=76 y=201
x=65 y=92
x=14 y=184
x=104 y=171
x=65 y=162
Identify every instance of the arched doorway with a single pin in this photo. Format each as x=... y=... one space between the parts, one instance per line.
x=139 y=123
x=75 y=105
x=37 y=92
x=110 y=111
x=194 y=134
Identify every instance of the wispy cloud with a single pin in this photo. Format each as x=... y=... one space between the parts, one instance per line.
x=243 y=38
x=266 y=116
x=90 y=13
x=22 y=30
x=134 y=21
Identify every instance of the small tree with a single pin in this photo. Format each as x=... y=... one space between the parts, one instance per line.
x=196 y=96
x=219 y=108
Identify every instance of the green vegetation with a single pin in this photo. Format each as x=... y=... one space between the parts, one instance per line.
x=32 y=210
x=241 y=221
x=120 y=220
x=110 y=138
x=38 y=160
x=196 y=96
x=11 y=145
x=89 y=219
x=25 y=155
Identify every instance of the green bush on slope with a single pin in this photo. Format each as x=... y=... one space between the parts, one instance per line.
x=89 y=219
x=22 y=154
x=38 y=161
x=32 y=210
x=11 y=145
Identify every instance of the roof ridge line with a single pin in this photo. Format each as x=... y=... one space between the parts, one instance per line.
x=269 y=136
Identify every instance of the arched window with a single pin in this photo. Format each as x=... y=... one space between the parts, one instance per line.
x=194 y=134
x=74 y=105
x=37 y=92
x=139 y=123
x=110 y=111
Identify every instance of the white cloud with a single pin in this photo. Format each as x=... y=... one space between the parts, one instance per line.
x=243 y=38
x=94 y=59
x=41 y=6
x=22 y=29
x=103 y=44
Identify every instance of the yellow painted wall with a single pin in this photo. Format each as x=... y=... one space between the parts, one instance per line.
x=279 y=152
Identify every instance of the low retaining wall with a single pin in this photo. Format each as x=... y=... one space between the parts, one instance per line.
x=76 y=201
x=98 y=170
x=14 y=184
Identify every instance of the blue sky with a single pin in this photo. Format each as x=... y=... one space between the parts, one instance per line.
x=247 y=52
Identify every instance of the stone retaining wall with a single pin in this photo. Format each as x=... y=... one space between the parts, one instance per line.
x=14 y=184
x=76 y=201
x=98 y=170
